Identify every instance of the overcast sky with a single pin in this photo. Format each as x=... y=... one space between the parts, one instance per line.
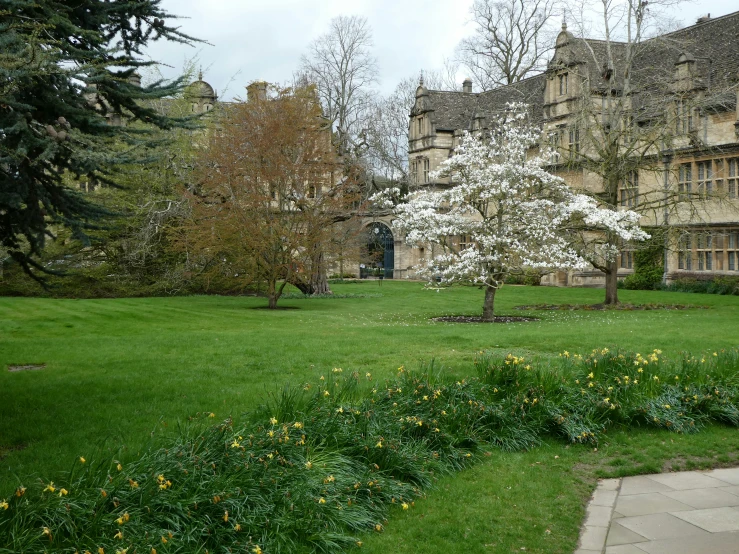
x=264 y=39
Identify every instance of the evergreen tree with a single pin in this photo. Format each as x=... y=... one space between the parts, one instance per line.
x=67 y=71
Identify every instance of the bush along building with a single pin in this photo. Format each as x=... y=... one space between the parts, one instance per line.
x=648 y=125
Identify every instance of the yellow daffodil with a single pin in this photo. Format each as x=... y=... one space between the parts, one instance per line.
x=237 y=527
x=321 y=500
x=379 y=444
x=308 y=465
x=273 y=420
x=50 y=487
x=4 y=505
x=118 y=535
x=368 y=375
x=225 y=516
x=326 y=393
x=271 y=433
x=134 y=484
x=211 y=414
x=82 y=460
x=101 y=550
x=591 y=375
x=257 y=550
x=63 y=492
x=378 y=527
x=164 y=540
x=47 y=531
x=405 y=505
x=119 y=467
x=20 y=491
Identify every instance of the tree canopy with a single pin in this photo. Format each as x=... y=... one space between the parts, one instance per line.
x=503 y=213
x=270 y=188
x=68 y=83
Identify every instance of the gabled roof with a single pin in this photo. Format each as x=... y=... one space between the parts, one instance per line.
x=453 y=110
x=711 y=46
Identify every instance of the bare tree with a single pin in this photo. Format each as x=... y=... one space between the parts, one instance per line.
x=511 y=42
x=344 y=70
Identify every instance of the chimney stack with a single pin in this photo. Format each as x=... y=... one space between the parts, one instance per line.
x=704 y=18
x=467 y=85
x=256 y=91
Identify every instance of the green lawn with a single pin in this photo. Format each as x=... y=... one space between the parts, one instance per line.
x=119 y=372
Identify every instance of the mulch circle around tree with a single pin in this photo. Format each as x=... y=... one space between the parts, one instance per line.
x=277 y=309
x=619 y=307
x=477 y=319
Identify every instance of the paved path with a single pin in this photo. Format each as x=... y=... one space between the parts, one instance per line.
x=690 y=512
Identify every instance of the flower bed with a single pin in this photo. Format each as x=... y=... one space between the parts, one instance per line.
x=320 y=465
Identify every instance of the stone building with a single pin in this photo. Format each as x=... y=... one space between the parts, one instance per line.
x=687 y=80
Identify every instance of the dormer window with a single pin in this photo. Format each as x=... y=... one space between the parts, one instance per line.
x=563 y=84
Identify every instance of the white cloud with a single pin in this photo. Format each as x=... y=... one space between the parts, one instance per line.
x=264 y=39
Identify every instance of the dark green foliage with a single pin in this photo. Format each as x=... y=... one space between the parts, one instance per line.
x=317 y=465
x=648 y=264
x=718 y=285
x=529 y=277
x=67 y=69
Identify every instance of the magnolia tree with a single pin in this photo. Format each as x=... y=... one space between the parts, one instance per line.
x=503 y=213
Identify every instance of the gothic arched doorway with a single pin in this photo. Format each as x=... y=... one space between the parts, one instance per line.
x=379 y=255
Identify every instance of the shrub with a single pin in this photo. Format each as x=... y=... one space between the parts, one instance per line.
x=319 y=464
x=727 y=285
x=648 y=264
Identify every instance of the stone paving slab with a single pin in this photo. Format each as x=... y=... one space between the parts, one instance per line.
x=618 y=534
x=730 y=475
x=641 y=485
x=649 y=503
x=705 y=498
x=713 y=543
x=684 y=480
x=691 y=512
x=714 y=520
x=624 y=549
x=660 y=526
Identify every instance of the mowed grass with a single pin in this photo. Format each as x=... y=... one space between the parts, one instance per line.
x=120 y=374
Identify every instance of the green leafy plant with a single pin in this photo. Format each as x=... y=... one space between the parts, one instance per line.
x=319 y=464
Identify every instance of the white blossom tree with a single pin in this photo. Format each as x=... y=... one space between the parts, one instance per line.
x=503 y=213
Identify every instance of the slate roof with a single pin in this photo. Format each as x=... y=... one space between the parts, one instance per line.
x=457 y=110
x=712 y=44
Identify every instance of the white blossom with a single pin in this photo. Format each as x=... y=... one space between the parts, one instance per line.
x=516 y=215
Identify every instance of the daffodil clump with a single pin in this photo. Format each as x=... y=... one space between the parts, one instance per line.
x=587 y=393
x=320 y=464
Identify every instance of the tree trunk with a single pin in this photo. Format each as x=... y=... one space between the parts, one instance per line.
x=487 y=307
x=318 y=277
x=612 y=282
x=272 y=295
